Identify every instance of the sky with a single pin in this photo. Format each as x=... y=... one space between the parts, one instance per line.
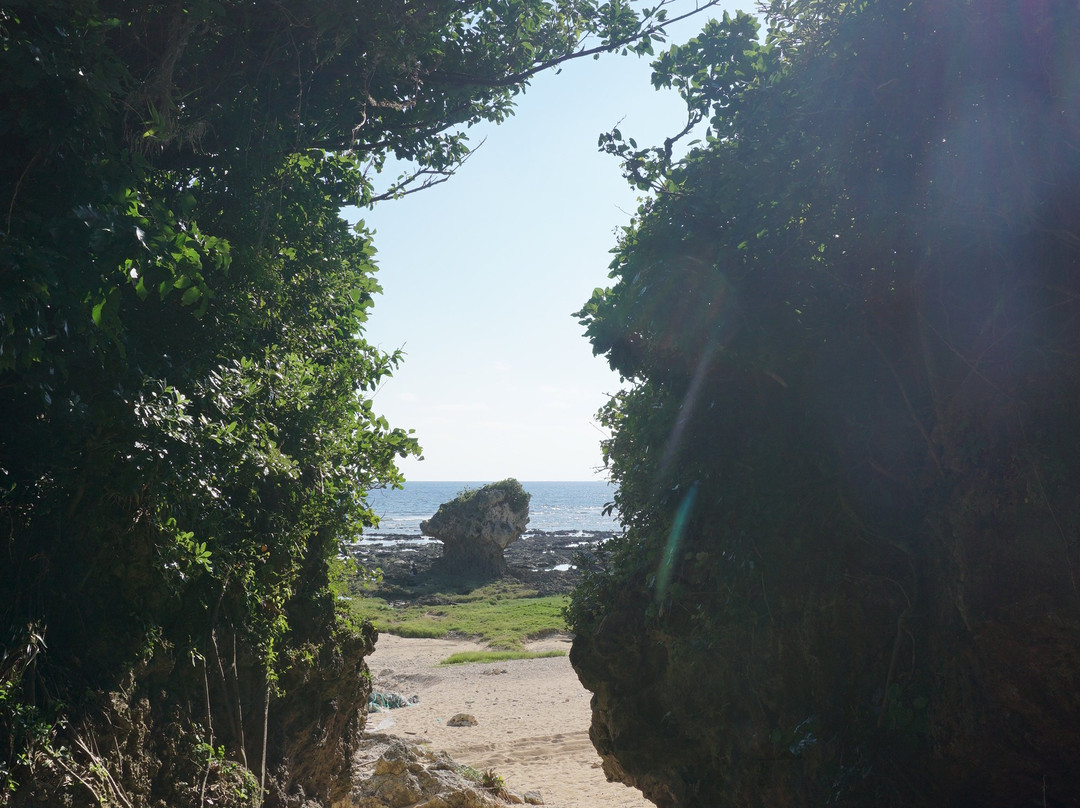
x=481 y=276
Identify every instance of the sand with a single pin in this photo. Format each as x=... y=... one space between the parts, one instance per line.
x=532 y=718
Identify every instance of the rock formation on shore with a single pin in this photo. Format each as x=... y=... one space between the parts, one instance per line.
x=390 y=772
x=478 y=525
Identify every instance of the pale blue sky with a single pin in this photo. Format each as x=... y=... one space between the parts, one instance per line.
x=481 y=276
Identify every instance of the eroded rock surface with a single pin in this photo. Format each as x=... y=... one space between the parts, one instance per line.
x=832 y=695
x=478 y=525
x=389 y=772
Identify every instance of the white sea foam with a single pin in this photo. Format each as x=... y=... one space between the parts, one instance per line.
x=574 y=508
x=404 y=542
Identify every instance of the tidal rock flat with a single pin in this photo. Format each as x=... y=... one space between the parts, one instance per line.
x=542 y=559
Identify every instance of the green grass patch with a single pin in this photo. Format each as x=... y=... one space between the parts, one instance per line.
x=487 y=779
x=466 y=657
x=503 y=615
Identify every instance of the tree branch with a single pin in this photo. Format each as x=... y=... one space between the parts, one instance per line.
x=467 y=79
x=436 y=176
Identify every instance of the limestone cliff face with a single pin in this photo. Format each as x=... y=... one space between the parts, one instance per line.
x=478 y=525
x=852 y=673
x=315 y=729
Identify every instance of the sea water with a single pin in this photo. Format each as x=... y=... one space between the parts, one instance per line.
x=554 y=507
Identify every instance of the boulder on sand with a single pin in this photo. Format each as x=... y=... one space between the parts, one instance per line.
x=477 y=525
x=389 y=772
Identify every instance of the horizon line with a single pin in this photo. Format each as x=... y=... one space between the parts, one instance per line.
x=493 y=480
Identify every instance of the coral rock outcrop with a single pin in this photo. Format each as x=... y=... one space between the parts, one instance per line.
x=478 y=525
x=389 y=772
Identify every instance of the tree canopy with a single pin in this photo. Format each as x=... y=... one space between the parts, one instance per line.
x=846 y=462
x=185 y=392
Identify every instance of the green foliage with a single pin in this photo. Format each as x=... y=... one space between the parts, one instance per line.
x=185 y=390
x=493 y=781
x=780 y=260
x=487 y=778
x=712 y=73
x=347 y=576
x=517 y=497
x=22 y=722
x=228 y=782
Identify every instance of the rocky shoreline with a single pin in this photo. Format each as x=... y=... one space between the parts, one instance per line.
x=542 y=559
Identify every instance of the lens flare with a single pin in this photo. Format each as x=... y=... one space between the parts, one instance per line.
x=675 y=537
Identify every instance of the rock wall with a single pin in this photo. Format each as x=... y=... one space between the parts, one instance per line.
x=833 y=641
x=317 y=724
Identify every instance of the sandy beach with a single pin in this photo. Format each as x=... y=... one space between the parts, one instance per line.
x=532 y=718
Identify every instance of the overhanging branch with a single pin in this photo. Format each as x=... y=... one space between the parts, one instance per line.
x=475 y=80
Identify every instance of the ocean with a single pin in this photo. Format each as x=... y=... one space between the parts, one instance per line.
x=554 y=507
